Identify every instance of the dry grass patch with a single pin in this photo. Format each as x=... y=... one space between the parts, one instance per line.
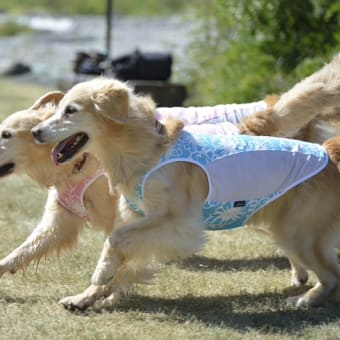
x=15 y=96
x=234 y=289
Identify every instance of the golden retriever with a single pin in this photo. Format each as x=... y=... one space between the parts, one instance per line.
x=106 y=118
x=59 y=227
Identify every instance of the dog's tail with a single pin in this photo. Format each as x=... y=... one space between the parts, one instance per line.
x=311 y=97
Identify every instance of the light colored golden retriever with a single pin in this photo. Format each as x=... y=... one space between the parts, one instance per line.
x=106 y=118
x=59 y=227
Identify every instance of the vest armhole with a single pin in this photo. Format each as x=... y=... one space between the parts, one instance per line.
x=165 y=163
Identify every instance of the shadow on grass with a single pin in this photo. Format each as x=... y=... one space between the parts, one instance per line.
x=202 y=263
x=264 y=312
x=5 y=299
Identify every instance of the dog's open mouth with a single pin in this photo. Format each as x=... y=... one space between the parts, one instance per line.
x=67 y=148
x=6 y=169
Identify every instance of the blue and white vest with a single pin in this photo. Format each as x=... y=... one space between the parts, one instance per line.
x=244 y=173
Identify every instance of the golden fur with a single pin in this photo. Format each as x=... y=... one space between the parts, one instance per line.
x=333 y=148
x=59 y=228
x=304 y=222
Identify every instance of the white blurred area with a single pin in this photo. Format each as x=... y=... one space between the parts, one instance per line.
x=48 y=23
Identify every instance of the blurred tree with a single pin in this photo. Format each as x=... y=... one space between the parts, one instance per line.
x=247 y=49
x=293 y=30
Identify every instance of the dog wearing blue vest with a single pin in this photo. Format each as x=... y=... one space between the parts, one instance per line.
x=169 y=195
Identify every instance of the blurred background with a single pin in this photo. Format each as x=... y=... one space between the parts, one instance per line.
x=209 y=51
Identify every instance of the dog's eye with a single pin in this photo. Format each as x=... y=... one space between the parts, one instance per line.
x=6 y=134
x=69 y=110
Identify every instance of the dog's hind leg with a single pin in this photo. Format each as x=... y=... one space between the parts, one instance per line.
x=57 y=229
x=297 y=107
x=299 y=273
x=292 y=112
x=323 y=261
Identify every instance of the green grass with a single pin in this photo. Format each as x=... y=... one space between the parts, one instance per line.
x=16 y=96
x=234 y=289
x=10 y=28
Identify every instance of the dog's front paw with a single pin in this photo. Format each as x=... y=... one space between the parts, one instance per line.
x=83 y=300
x=4 y=268
x=76 y=302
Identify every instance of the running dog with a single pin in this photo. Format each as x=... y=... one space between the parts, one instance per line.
x=61 y=222
x=159 y=213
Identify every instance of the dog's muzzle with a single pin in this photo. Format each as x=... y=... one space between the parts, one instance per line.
x=36 y=132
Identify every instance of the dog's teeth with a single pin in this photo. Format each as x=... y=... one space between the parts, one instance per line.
x=59 y=155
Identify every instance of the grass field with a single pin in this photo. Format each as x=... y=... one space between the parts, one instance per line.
x=234 y=289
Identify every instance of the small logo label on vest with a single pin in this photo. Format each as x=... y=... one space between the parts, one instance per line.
x=239 y=204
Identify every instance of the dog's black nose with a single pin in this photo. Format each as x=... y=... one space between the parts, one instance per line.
x=36 y=134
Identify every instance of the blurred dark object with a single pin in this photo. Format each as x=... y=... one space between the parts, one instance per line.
x=148 y=72
x=143 y=66
x=89 y=63
x=17 y=69
x=134 y=66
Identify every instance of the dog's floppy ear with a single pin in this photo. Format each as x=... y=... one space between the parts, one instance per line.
x=53 y=97
x=173 y=128
x=113 y=103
